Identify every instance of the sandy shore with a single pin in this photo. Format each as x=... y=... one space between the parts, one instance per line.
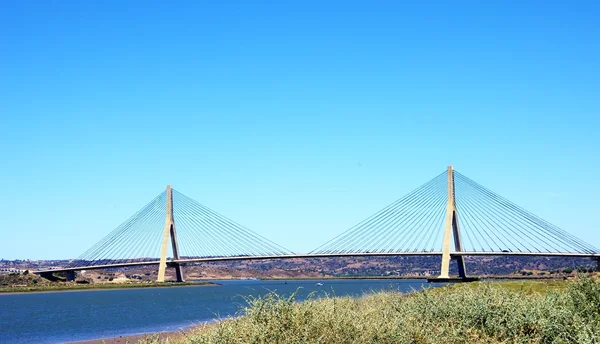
x=130 y=339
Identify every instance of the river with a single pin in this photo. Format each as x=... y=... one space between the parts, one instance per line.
x=57 y=317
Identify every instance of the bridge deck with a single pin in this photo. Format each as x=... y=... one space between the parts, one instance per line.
x=328 y=255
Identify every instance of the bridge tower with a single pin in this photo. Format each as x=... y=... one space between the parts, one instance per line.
x=453 y=228
x=169 y=231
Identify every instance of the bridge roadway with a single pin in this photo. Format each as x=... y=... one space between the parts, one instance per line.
x=327 y=255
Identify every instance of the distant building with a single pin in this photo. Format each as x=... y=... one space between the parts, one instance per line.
x=11 y=271
x=120 y=278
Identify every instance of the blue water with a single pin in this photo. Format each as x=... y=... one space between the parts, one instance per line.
x=58 y=317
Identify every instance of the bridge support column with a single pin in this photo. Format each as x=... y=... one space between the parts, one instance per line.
x=169 y=231
x=70 y=275
x=452 y=227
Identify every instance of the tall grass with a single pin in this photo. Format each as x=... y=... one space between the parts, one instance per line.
x=486 y=313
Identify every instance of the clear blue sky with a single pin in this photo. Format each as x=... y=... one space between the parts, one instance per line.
x=296 y=120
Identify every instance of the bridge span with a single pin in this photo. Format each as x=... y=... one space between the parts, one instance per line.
x=453 y=255
x=414 y=225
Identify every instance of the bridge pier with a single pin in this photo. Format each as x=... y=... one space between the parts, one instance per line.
x=179 y=272
x=169 y=231
x=452 y=227
x=70 y=275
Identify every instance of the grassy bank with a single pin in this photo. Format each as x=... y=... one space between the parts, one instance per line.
x=494 y=312
x=378 y=277
x=526 y=287
x=95 y=286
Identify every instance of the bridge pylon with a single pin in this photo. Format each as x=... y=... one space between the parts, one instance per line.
x=169 y=232
x=452 y=227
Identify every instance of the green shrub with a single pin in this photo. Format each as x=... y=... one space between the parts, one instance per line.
x=477 y=313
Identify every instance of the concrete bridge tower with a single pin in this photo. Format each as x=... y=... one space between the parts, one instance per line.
x=453 y=228
x=169 y=232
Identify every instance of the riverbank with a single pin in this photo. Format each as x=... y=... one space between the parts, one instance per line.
x=483 y=312
x=97 y=286
x=66 y=286
x=419 y=277
x=161 y=337
x=143 y=338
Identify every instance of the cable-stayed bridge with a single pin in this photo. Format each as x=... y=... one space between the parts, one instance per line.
x=450 y=216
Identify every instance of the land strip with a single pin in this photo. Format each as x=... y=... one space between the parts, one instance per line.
x=61 y=287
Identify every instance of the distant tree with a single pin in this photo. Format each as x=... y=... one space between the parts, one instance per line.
x=26 y=272
x=568 y=270
x=529 y=273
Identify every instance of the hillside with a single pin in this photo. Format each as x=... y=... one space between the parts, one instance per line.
x=335 y=267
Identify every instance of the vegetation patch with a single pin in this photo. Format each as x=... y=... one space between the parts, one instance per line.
x=485 y=312
x=525 y=287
